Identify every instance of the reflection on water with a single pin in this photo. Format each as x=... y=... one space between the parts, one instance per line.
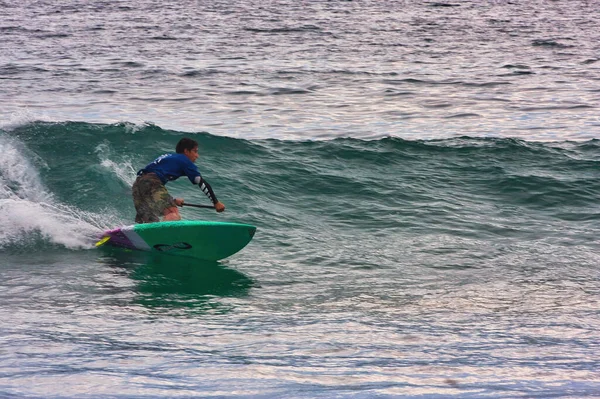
x=164 y=281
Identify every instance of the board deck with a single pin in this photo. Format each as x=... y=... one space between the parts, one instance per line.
x=191 y=238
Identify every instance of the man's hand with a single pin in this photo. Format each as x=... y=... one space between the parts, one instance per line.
x=179 y=201
x=219 y=206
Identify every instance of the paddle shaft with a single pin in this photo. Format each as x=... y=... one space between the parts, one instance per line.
x=199 y=206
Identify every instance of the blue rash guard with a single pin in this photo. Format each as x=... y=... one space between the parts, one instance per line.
x=170 y=167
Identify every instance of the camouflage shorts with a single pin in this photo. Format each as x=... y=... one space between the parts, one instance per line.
x=150 y=198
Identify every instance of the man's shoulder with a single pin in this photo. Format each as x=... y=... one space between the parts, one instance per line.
x=181 y=158
x=162 y=157
x=172 y=157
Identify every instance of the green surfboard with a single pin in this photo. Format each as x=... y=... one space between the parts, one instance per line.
x=196 y=239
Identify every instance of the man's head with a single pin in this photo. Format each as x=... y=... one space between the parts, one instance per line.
x=188 y=147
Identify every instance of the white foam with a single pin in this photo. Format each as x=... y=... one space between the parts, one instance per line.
x=18 y=178
x=29 y=210
x=132 y=128
x=16 y=119
x=123 y=168
x=21 y=219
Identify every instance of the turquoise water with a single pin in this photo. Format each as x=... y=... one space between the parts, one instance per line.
x=423 y=177
x=457 y=267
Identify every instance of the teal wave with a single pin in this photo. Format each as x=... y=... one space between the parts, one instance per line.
x=463 y=185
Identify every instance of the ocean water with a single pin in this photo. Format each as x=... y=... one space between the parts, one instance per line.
x=423 y=176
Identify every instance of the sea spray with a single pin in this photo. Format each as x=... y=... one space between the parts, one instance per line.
x=122 y=168
x=30 y=215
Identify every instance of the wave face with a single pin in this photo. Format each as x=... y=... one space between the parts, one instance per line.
x=79 y=175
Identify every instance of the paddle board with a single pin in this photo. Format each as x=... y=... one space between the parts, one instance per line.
x=192 y=238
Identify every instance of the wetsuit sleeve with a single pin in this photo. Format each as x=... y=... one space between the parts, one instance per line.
x=207 y=189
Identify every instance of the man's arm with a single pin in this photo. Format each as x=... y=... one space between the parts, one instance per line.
x=208 y=191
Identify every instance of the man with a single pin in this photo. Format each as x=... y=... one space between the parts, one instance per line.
x=150 y=196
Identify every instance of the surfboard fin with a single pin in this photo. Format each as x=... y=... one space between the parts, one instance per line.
x=102 y=241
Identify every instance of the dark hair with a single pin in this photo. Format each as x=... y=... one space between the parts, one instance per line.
x=185 y=144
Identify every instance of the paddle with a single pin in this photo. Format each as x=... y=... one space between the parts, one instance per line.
x=198 y=206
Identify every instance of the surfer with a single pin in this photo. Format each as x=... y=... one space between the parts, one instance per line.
x=150 y=196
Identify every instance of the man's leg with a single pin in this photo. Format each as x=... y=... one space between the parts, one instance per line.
x=142 y=194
